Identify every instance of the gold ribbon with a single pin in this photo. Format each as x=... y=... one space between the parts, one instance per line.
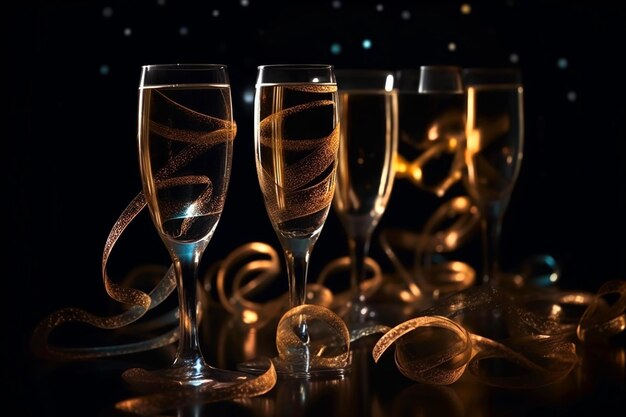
x=435 y=348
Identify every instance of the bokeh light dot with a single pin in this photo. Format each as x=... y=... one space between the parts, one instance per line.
x=215 y=13
x=336 y=4
x=406 y=15
x=335 y=48
x=128 y=31
x=367 y=44
x=183 y=31
x=161 y=2
x=466 y=8
x=248 y=96
x=244 y=3
x=104 y=69
x=452 y=47
x=380 y=7
x=562 y=63
x=571 y=96
x=107 y=12
x=514 y=58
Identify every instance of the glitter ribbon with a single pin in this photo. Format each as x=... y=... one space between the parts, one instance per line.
x=426 y=276
x=538 y=350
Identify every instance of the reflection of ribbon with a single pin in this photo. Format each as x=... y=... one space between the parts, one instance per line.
x=538 y=350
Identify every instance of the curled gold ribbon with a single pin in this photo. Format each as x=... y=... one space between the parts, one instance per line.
x=139 y=302
x=606 y=315
x=246 y=272
x=424 y=275
x=211 y=131
x=327 y=345
x=540 y=350
x=368 y=286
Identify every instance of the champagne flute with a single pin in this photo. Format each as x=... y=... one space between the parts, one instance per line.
x=493 y=151
x=430 y=159
x=296 y=140
x=368 y=104
x=185 y=138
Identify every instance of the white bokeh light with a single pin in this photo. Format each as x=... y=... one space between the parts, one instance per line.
x=571 y=96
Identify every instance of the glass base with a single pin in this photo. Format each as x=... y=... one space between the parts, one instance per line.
x=184 y=376
x=286 y=369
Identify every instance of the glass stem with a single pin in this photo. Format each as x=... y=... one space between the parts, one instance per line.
x=359 y=248
x=491 y=226
x=186 y=258
x=297 y=255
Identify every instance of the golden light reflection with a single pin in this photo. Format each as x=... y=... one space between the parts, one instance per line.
x=433 y=132
x=555 y=312
x=406 y=296
x=250 y=344
x=249 y=316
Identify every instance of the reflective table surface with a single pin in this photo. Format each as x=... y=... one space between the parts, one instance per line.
x=596 y=386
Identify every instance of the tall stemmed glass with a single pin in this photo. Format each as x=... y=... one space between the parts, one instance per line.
x=186 y=133
x=430 y=160
x=296 y=140
x=368 y=104
x=494 y=150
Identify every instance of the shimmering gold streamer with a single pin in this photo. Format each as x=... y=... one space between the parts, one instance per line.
x=424 y=276
x=604 y=317
x=139 y=302
x=368 y=286
x=541 y=350
x=327 y=345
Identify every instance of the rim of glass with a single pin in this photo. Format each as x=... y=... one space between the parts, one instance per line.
x=297 y=66
x=191 y=66
x=491 y=75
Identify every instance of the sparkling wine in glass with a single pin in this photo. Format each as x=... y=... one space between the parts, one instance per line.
x=368 y=105
x=296 y=141
x=493 y=151
x=185 y=138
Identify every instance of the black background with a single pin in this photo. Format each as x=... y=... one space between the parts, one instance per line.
x=70 y=88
